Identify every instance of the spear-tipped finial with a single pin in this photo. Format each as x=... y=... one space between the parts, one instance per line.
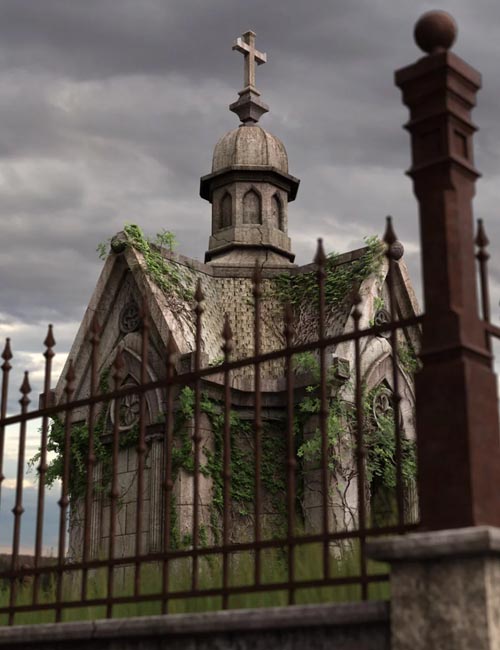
x=320 y=257
x=227 y=336
x=70 y=379
x=289 y=328
x=199 y=296
x=356 y=312
x=6 y=355
x=481 y=240
x=118 y=367
x=389 y=235
x=94 y=335
x=25 y=386
x=49 y=339
x=249 y=107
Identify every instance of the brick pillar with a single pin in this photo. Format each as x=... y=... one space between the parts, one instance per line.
x=456 y=392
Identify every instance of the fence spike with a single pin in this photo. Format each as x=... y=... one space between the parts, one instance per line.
x=25 y=389
x=199 y=296
x=389 y=235
x=94 y=334
x=320 y=257
x=356 y=312
x=227 y=335
x=118 y=367
x=257 y=279
x=70 y=378
x=49 y=339
x=288 y=318
x=6 y=355
x=481 y=240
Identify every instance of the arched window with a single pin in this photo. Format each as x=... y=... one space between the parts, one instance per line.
x=276 y=216
x=251 y=207
x=226 y=211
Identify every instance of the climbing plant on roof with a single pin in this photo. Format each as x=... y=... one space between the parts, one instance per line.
x=340 y=278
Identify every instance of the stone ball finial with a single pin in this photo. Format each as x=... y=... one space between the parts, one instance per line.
x=435 y=31
x=397 y=250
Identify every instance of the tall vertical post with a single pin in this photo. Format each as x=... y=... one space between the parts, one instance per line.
x=456 y=393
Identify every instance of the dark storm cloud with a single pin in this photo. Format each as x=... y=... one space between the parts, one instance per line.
x=109 y=112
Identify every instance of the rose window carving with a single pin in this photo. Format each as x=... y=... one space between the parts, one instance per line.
x=130 y=318
x=128 y=413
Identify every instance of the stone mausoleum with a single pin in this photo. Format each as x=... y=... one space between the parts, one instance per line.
x=249 y=189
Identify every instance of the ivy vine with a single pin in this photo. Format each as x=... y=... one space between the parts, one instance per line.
x=340 y=279
x=168 y=275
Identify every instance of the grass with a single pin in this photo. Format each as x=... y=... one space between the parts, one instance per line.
x=307 y=565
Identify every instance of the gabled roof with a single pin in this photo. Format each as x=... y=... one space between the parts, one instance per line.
x=170 y=301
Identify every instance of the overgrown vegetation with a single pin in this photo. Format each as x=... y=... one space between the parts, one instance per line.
x=379 y=436
x=340 y=280
x=242 y=456
x=79 y=446
x=168 y=275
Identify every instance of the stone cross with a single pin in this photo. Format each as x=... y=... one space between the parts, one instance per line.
x=246 y=45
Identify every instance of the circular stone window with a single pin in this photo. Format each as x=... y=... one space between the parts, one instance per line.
x=128 y=411
x=130 y=318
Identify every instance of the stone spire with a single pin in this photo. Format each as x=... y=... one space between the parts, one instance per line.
x=249 y=186
x=249 y=107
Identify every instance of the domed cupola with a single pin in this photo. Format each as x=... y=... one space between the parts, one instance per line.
x=249 y=187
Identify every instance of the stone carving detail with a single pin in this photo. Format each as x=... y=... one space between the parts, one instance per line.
x=130 y=318
x=128 y=412
x=382 y=316
x=382 y=404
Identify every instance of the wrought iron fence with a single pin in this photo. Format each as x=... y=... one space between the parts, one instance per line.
x=67 y=582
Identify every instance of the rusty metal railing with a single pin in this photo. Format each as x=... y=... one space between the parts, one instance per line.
x=24 y=585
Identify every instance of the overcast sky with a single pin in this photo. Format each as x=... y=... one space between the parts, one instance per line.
x=110 y=109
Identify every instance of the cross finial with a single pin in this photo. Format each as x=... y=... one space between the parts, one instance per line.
x=246 y=45
x=249 y=107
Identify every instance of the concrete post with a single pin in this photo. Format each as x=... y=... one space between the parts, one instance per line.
x=445 y=588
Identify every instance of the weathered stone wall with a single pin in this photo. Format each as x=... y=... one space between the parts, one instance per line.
x=353 y=626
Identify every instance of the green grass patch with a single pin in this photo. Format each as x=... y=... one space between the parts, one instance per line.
x=307 y=566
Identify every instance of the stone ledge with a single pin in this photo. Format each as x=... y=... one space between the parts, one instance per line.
x=458 y=542
x=249 y=620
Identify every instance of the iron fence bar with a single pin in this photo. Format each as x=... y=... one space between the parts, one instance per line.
x=320 y=261
x=141 y=447
x=118 y=376
x=390 y=239
x=482 y=256
x=94 y=339
x=227 y=348
x=64 y=500
x=6 y=367
x=169 y=484
x=257 y=294
x=360 y=451
x=290 y=453
x=199 y=297
x=18 y=509
x=42 y=467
